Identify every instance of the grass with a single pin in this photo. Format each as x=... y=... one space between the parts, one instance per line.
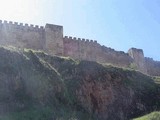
x=157 y=80
x=151 y=116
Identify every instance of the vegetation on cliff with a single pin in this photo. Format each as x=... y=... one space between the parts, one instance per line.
x=151 y=116
x=37 y=86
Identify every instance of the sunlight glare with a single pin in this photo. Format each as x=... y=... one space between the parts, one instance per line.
x=18 y=10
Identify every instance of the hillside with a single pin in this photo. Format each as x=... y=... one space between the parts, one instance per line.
x=37 y=86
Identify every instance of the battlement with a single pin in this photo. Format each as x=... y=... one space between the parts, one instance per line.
x=136 y=50
x=149 y=59
x=50 y=39
x=153 y=67
x=79 y=39
x=9 y=24
x=111 y=50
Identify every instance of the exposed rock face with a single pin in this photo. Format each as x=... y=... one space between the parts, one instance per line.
x=107 y=92
x=105 y=99
x=26 y=81
x=30 y=78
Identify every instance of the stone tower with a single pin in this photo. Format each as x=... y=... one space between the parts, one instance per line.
x=54 y=39
x=138 y=57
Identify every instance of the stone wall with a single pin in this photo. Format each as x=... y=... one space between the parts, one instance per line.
x=79 y=48
x=54 y=39
x=153 y=67
x=85 y=49
x=50 y=39
x=138 y=58
x=20 y=35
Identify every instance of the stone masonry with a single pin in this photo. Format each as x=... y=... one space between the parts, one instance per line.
x=51 y=40
x=139 y=60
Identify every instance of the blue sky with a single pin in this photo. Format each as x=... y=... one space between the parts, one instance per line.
x=119 y=24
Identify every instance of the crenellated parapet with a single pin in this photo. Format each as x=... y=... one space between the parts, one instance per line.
x=153 y=67
x=80 y=48
x=80 y=40
x=22 y=35
x=16 y=25
x=149 y=59
x=86 y=49
x=50 y=39
x=114 y=52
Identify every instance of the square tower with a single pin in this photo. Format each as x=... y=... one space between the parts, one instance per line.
x=138 y=57
x=54 y=39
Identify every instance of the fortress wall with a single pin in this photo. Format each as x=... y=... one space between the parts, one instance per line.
x=117 y=58
x=51 y=40
x=139 y=60
x=88 y=49
x=85 y=49
x=54 y=39
x=20 y=35
x=81 y=49
x=71 y=47
x=153 y=67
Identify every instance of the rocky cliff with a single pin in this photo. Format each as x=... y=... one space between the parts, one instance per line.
x=37 y=86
